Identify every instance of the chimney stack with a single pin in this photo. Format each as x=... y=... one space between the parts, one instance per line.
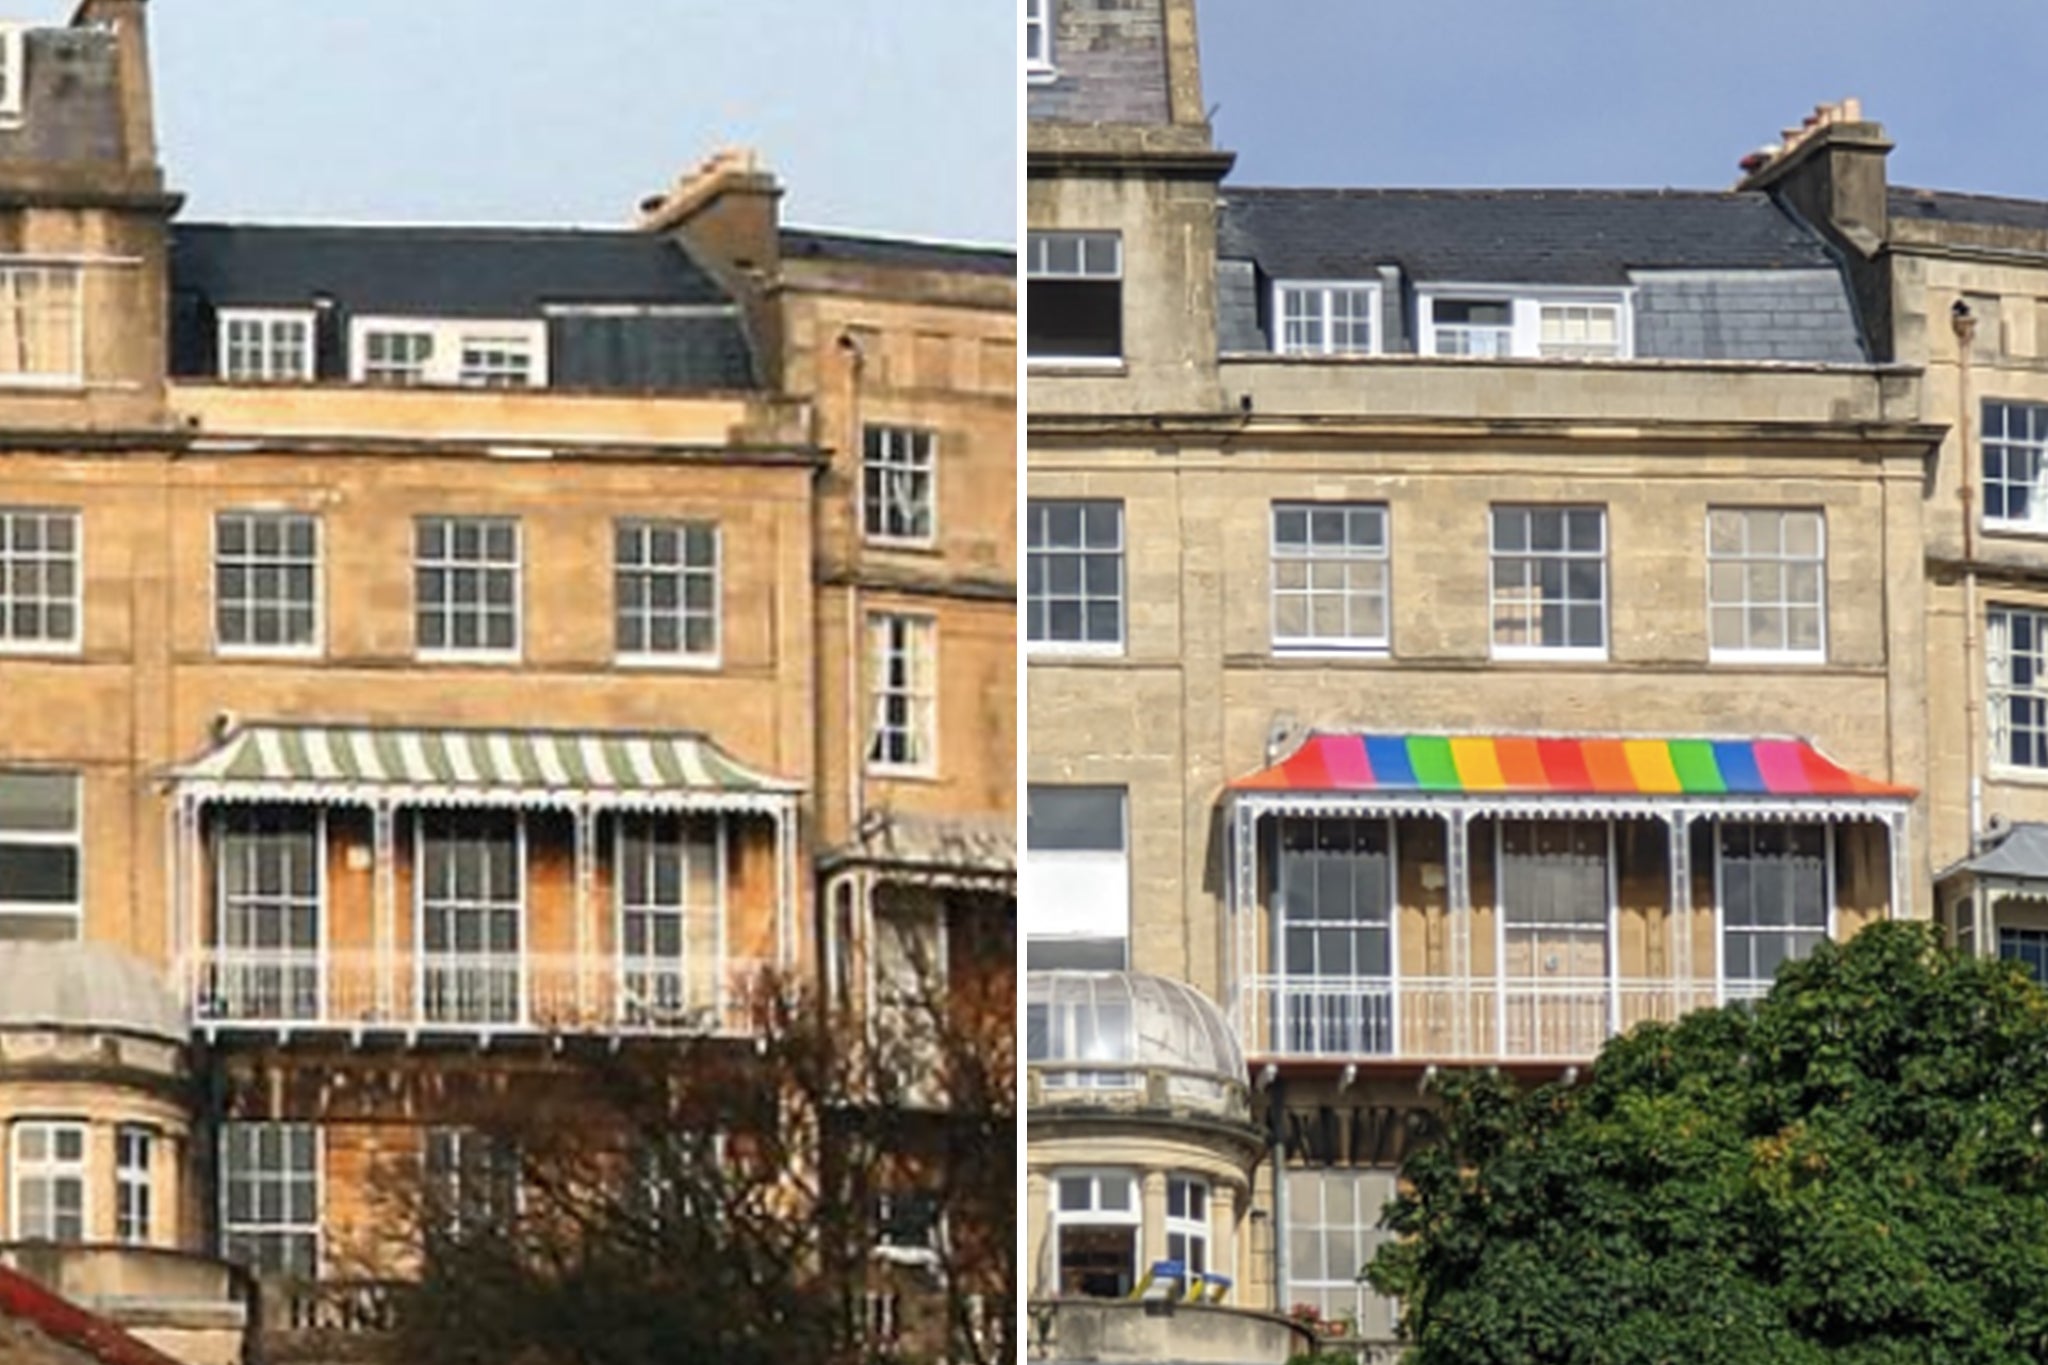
x=1831 y=169
x=128 y=21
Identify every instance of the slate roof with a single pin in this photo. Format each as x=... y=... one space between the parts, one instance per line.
x=433 y=271
x=1560 y=237
x=906 y=253
x=1950 y=206
x=2021 y=853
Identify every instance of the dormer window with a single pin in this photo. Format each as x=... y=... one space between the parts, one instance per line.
x=266 y=346
x=1575 y=325
x=1038 y=38
x=445 y=352
x=1325 y=319
x=13 y=75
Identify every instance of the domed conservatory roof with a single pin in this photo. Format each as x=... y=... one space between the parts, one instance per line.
x=85 y=986
x=1107 y=1030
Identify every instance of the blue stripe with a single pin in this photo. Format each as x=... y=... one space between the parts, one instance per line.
x=1388 y=755
x=1737 y=762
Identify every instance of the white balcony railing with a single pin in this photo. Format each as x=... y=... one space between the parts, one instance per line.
x=470 y=992
x=1452 y=1019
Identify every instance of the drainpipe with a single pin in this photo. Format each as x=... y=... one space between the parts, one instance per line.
x=856 y=772
x=1276 y=1123
x=1965 y=326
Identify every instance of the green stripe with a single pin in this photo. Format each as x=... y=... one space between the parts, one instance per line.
x=388 y=756
x=435 y=747
x=526 y=761
x=247 y=760
x=619 y=761
x=570 y=754
x=341 y=747
x=1430 y=756
x=668 y=764
x=293 y=745
x=1698 y=773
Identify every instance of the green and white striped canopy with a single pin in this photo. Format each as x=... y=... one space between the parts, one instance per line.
x=346 y=763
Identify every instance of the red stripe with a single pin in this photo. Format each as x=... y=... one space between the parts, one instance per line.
x=1564 y=764
x=1305 y=769
x=1823 y=777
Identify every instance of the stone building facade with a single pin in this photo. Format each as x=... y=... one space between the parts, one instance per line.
x=1459 y=626
x=429 y=649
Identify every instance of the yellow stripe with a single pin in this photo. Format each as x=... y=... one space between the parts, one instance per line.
x=1478 y=765
x=1649 y=762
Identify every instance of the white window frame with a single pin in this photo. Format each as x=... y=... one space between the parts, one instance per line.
x=1038 y=15
x=468 y=1154
x=74 y=839
x=1122 y=553
x=450 y=653
x=683 y=571
x=1096 y=1215
x=385 y=372
x=2031 y=446
x=44 y=516
x=13 y=75
x=285 y=1227
x=1337 y=1295
x=235 y=963
x=2000 y=692
x=484 y=960
x=52 y=1169
x=1554 y=653
x=1038 y=266
x=1749 y=988
x=1784 y=561
x=1195 y=1230
x=249 y=561
x=1525 y=326
x=1072 y=878
x=1346 y=556
x=14 y=271
x=914 y=638
x=894 y=456
x=1325 y=292
x=449 y=339
x=269 y=321
x=638 y=971
x=134 y=1184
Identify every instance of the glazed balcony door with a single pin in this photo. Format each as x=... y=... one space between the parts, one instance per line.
x=268 y=882
x=1335 y=898
x=472 y=905
x=1555 y=896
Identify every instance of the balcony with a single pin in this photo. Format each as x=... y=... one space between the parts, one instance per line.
x=475 y=993
x=1458 y=899
x=1442 y=1019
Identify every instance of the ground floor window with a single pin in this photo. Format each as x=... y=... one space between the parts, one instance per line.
x=1187 y=1222
x=270 y=1197
x=1095 y=1231
x=48 y=1190
x=2028 y=947
x=134 y=1150
x=1333 y=1229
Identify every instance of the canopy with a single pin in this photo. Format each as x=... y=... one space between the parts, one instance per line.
x=1481 y=764
x=343 y=763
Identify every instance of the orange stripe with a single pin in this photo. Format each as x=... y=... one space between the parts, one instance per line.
x=1478 y=768
x=1607 y=765
x=1521 y=764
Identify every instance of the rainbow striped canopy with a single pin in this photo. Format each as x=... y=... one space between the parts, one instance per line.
x=1478 y=764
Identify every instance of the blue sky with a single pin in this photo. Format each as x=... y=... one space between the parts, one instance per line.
x=1618 y=92
x=893 y=115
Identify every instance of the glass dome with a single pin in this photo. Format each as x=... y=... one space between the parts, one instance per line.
x=1107 y=1030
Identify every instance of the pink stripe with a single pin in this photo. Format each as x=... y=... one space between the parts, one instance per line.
x=1778 y=762
x=1344 y=755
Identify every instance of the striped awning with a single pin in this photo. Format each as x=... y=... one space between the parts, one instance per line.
x=1482 y=764
x=341 y=763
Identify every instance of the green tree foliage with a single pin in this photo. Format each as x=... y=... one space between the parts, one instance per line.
x=1852 y=1170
